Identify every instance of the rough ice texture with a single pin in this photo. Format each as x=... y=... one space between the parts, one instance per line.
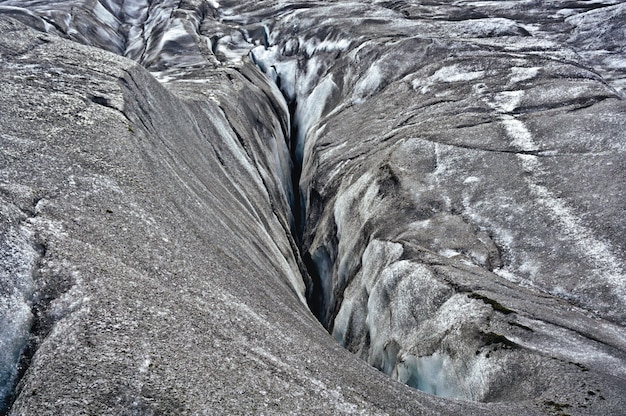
x=457 y=220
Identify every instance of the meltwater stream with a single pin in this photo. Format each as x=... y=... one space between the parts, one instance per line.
x=411 y=155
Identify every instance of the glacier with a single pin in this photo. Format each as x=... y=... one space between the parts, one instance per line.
x=319 y=207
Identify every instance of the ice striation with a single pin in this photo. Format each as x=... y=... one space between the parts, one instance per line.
x=186 y=183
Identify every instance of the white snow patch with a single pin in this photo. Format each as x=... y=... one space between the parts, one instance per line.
x=506 y=101
x=447 y=74
x=517 y=130
x=314 y=45
x=529 y=163
x=529 y=267
x=367 y=85
x=520 y=74
x=449 y=253
x=471 y=179
x=508 y=275
x=145 y=365
x=162 y=77
x=455 y=74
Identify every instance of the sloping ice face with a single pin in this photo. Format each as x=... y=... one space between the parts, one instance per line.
x=441 y=184
x=18 y=261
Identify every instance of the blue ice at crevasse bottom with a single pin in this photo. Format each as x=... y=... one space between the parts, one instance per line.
x=431 y=374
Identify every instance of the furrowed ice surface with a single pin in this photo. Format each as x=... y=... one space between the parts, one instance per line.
x=169 y=283
x=443 y=182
